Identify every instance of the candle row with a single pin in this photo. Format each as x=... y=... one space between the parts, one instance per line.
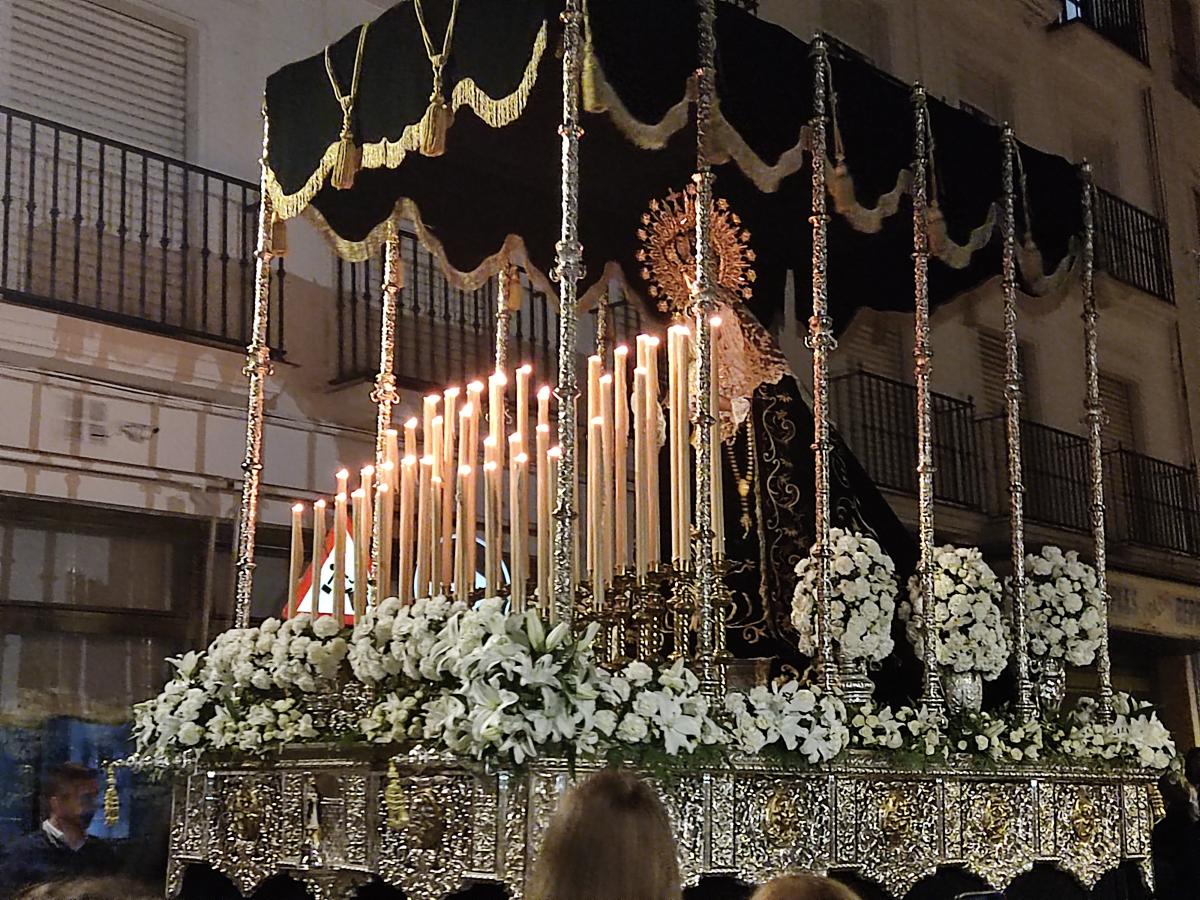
x=424 y=504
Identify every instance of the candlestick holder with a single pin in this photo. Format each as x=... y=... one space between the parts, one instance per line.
x=621 y=612
x=649 y=614
x=682 y=604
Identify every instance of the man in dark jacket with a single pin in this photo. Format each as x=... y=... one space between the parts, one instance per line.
x=1175 y=843
x=61 y=847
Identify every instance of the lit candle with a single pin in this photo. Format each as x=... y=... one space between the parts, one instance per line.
x=410 y=437
x=620 y=459
x=463 y=580
x=544 y=493
x=718 y=488
x=521 y=426
x=318 y=551
x=424 y=551
x=641 y=544
x=596 y=509
x=606 y=476
x=386 y=513
x=553 y=455
x=681 y=547
x=430 y=409
x=437 y=486
x=366 y=484
x=339 y=545
x=653 y=535
x=543 y=398
x=470 y=494
x=408 y=486
x=518 y=524
x=595 y=370
x=297 y=559
x=360 y=573
x=448 y=473
x=673 y=434
x=491 y=521
x=497 y=384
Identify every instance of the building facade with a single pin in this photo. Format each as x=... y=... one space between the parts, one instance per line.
x=128 y=210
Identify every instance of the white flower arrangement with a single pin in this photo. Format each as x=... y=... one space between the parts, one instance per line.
x=1064 y=607
x=999 y=736
x=862 y=580
x=1136 y=736
x=907 y=729
x=969 y=629
x=800 y=718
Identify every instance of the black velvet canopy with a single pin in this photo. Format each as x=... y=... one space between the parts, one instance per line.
x=495 y=192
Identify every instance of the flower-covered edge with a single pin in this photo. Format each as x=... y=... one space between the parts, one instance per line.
x=1064 y=607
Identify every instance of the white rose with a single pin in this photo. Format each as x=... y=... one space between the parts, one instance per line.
x=633 y=729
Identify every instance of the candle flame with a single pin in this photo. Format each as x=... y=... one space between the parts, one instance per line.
x=343 y=474
x=340 y=498
x=515 y=437
x=544 y=392
x=387 y=465
x=382 y=487
x=437 y=421
x=598 y=420
x=489 y=466
x=489 y=441
x=427 y=460
x=433 y=399
x=452 y=392
x=680 y=328
x=641 y=370
x=392 y=432
x=475 y=387
x=606 y=378
x=467 y=411
x=464 y=471
x=357 y=494
x=715 y=322
x=554 y=452
x=498 y=377
x=543 y=428
x=437 y=479
x=411 y=423
x=366 y=471
x=526 y=369
x=652 y=340
x=520 y=459
x=298 y=507
x=320 y=504
x=595 y=358
x=622 y=350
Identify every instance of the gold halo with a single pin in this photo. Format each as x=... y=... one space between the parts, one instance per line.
x=667 y=255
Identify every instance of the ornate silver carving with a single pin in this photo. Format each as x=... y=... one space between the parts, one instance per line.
x=385 y=395
x=257 y=370
x=931 y=694
x=1012 y=409
x=1094 y=417
x=568 y=270
x=821 y=341
x=963 y=691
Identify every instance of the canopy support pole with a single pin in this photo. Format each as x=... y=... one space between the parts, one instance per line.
x=256 y=370
x=385 y=395
x=1012 y=398
x=821 y=342
x=1094 y=417
x=568 y=271
x=931 y=695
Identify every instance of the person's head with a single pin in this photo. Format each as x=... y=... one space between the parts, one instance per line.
x=1191 y=766
x=1173 y=790
x=89 y=889
x=610 y=837
x=804 y=887
x=69 y=795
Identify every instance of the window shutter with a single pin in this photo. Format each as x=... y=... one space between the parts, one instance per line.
x=1116 y=396
x=83 y=64
x=873 y=346
x=1183 y=29
x=993 y=362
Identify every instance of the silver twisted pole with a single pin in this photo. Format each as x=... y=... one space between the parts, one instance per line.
x=256 y=370
x=385 y=394
x=821 y=341
x=1094 y=416
x=1012 y=397
x=705 y=562
x=504 y=286
x=931 y=695
x=568 y=270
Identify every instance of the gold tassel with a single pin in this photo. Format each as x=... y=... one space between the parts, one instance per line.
x=279 y=237
x=112 y=800
x=393 y=799
x=935 y=228
x=347 y=160
x=437 y=121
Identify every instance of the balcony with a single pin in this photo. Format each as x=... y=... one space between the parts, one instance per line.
x=877 y=418
x=1120 y=22
x=1152 y=503
x=97 y=228
x=444 y=334
x=1132 y=246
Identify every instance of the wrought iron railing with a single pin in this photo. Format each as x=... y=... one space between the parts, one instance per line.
x=1054 y=471
x=443 y=334
x=1132 y=246
x=1152 y=503
x=97 y=228
x=877 y=418
x=1121 y=22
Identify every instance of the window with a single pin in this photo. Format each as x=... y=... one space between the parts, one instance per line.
x=993 y=360
x=1183 y=36
x=1102 y=154
x=83 y=64
x=860 y=24
x=872 y=344
x=1117 y=398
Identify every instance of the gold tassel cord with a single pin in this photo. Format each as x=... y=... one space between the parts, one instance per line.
x=439 y=115
x=347 y=159
x=112 y=800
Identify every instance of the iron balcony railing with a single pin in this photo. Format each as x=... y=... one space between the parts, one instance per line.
x=877 y=418
x=1121 y=22
x=1054 y=471
x=1151 y=502
x=443 y=334
x=1132 y=246
x=101 y=229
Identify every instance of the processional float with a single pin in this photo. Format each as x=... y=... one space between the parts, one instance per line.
x=427 y=819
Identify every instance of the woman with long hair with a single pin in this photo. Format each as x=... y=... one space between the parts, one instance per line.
x=803 y=887
x=609 y=838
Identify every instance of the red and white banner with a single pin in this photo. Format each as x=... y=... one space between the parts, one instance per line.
x=325 y=583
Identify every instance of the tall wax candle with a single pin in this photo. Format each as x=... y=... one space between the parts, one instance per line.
x=296 y=563
x=521 y=426
x=606 y=476
x=407 y=560
x=653 y=534
x=360 y=570
x=518 y=516
x=391 y=454
x=424 y=550
x=544 y=505
x=318 y=551
x=464 y=579
x=497 y=385
x=554 y=454
x=340 y=526
x=620 y=459
x=410 y=438
x=385 y=510
x=449 y=473
x=641 y=512
x=491 y=524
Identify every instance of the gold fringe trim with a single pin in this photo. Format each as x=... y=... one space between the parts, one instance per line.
x=958 y=256
x=866 y=219
x=600 y=97
x=496 y=112
x=1032 y=266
